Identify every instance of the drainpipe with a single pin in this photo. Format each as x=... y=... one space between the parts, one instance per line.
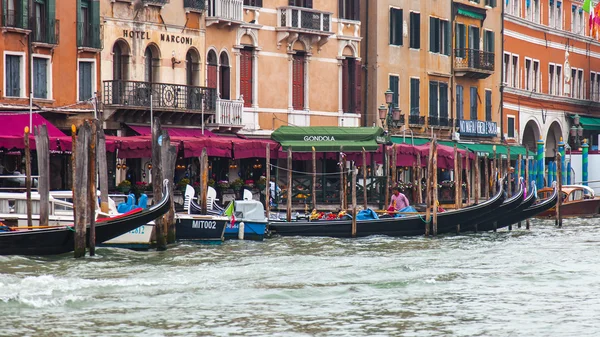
x=501 y=82
x=366 y=67
x=30 y=53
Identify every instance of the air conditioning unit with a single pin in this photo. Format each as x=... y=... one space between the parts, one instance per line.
x=456 y=136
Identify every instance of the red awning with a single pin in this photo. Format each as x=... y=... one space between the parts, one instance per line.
x=173 y=131
x=12 y=130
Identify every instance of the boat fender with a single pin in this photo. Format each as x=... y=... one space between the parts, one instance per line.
x=241 y=231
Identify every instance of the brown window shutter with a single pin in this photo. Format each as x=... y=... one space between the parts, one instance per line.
x=345 y=86
x=298 y=82
x=246 y=76
x=211 y=80
x=358 y=87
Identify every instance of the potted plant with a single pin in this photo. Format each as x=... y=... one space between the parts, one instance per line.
x=124 y=186
x=182 y=184
x=223 y=185
x=211 y=183
x=236 y=185
x=261 y=183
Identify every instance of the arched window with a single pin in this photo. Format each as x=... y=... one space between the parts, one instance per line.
x=211 y=70
x=192 y=68
x=148 y=65
x=224 y=74
x=120 y=69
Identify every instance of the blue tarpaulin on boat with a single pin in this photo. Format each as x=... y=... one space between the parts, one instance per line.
x=367 y=214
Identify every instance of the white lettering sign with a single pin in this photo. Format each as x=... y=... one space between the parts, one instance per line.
x=204 y=224
x=319 y=138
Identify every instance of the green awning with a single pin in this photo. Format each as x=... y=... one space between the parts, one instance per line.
x=590 y=123
x=417 y=141
x=515 y=150
x=470 y=14
x=327 y=138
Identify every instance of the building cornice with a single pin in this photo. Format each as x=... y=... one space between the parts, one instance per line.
x=552 y=98
x=547 y=30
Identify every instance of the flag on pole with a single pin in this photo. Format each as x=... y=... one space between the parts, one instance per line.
x=587 y=6
x=229 y=211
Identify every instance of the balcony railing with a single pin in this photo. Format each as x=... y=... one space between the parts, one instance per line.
x=230 y=10
x=198 y=5
x=229 y=112
x=466 y=59
x=304 y=18
x=14 y=19
x=88 y=35
x=416 y=119
x=439 y=121
x=164 y=96
x=155 y=2
x=45 y=31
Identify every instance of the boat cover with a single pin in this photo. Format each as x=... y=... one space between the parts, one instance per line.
x=249 y=210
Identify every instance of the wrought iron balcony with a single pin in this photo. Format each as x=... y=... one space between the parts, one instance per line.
x=195 y=5
x=155 y=2
x=433 y=120
x=165 y=96
x=89 y=35
x=226 y=11
x=414 y=119
x=473 y=63
x=14 y=19
x=45 y=31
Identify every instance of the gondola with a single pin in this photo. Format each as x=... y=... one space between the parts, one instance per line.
x=61 y=239
x=413 y=225
x=507 y=206
x=529 y=212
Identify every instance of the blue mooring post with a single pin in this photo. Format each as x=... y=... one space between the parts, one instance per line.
x=568 y=173
x=540 y=163
x=561 y=150
x=584 y=162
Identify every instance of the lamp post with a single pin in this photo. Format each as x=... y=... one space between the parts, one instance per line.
x=576 y=131
x=390 y=117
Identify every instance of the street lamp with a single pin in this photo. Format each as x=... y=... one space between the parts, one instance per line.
x=576 y=131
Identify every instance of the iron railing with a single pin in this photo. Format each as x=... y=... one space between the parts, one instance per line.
x=304 y=18
x=195 y=4
x=229 y=112
x=156 y=2
x=473 y=59
x=416 y=119
x=433 y=120
x=253 y=3
x=45 y=30
x=445 y=121
x=89 y=35
x=14 y=19
x=164 y=95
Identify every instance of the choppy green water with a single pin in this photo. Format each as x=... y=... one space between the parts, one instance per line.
x=538 y=283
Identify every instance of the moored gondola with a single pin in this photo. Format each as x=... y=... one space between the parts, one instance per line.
x=412 y=225
x=60 y=239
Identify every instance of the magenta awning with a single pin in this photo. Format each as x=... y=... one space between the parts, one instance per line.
x=173 y=131
x=12 y=130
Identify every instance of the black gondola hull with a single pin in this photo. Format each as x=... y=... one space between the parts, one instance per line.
x=200 y=228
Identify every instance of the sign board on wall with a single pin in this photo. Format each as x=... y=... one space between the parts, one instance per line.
x=477 y=128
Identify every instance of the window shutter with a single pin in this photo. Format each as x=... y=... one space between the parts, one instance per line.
x=95 y=23
x=342 y=12
x=488 y=105
x=298 y=82
x=443 y=100
x=415 y=30
x=345 y=86
x=225 y=83
x=414 y=96
x=459 y=101
x=473 y=103
x=358 y=87
x=391 y=25
x=246 y=76
x=432 y=34
x=308 y=4
x=448 y=37
x=51 y=5
x=211 y=78
x=355 y=14
x=14 y=76
x=293 y=3
x=24 y=14
x=394 y=86
x=433 y=99
x=79 y=28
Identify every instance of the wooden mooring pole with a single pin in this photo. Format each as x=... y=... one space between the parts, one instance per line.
x=81 y=181
x=43 y=164
x=419 y=177
x=429 y=189
x=102 y=166
x=394 y=166
x=456 y=180
x=157 y=182
x=289 y=187
x=477 y=179
x=364 y=166
x=73 y=166
x=28 y=176
x=460 y=181
x=354 y=173
x=313 y=193
x=435 y=186
x=92 y=190
x=508 y=173
x=559 y=182
x=203 y=180
x=268 y=181
x=468 y=177
x=168 y=159
x=386 y=174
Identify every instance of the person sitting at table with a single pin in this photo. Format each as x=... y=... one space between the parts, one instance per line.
x=398 y=201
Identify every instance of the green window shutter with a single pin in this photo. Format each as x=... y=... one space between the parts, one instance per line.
x=78 y=27
x=24 y=14
x=432 y=34
x=95 y=22
x=51 y=5
x=448 y=38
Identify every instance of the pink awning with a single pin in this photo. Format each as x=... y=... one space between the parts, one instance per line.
x=173 y=131
x=12 y=130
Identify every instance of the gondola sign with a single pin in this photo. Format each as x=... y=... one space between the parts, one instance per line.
x=478 y=128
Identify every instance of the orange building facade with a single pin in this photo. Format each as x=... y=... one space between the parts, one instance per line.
x=550 y=73
x=50 y=49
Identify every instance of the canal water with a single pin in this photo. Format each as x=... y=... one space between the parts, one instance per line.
x=543 y=282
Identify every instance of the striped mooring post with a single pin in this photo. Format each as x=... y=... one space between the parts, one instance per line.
x=540 y=164
x=584 y=162
x=561 y=150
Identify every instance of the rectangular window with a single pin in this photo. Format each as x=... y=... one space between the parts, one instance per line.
x=459 y=101
x=85 y=80
x=439 y=36
x=474 y=38
x=473 y=105
x=592 y=86
x=597 y=85
x=301 y=3
x=536 y=76
x=574 y=18
x=298 y=75
x=528 y=74
x=395 y=26
x=246 y=78
x=349 y=9
x=559 y=11
x=551 y=10
x=488 y=41
x=551 y=79
x=558 y=77
x=40 y=77
x=491 y=3
x=573 y=81
x=517 y=8
x=515 y=71
x=351 y=92
x=414 y=96
x=394 y=87
x=488 y=105
x=12 y=75
x=580 y=81
x=461 y=40
x=510 y=127
x=415 y=30
x=536 y=11
x=506 y=69
x=253 y=3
